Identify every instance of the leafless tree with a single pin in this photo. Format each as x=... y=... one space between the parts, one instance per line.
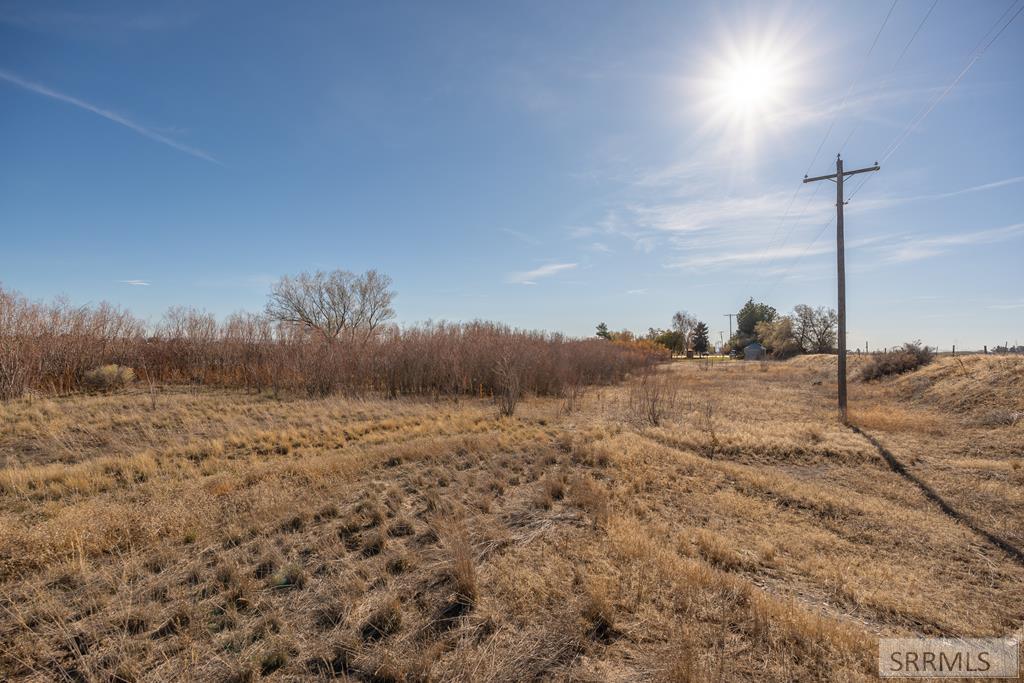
x=814 y=328
x=373 y=297
x=334 y=305
x=684 y=324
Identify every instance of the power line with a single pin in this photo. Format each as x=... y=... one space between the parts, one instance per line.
x=795 y=261
x=824 y=139
x=999 y=27
x=892 y=68
x=796 y=221
x=913 y=37
x=778 y=226
x=973 y=57
x=853 y=83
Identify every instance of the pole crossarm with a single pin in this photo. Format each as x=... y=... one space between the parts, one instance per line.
x=846 y=174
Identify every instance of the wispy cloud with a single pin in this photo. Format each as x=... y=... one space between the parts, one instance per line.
x=528 y=239
x=1006 y=307
x=105 y=113
x=636 y=291
x=713 y=231
x=733 y=258
x=135 y=283
x=600 y=246
x=917 y=249
x=885 y=202
x=530 y=277
x=751 y=213
x=679 y=174
x=977 y=188
x=722 y=232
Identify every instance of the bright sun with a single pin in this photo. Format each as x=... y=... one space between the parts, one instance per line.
x=749 y=86
x=747 y=92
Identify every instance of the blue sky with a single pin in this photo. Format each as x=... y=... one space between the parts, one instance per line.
x=547 y=164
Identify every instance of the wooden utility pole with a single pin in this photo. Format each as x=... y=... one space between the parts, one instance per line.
x=838 y=178
x=729 y=316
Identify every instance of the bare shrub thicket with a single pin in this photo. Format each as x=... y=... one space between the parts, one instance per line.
x=652 y=398
x=910 y=357
x=50 y=347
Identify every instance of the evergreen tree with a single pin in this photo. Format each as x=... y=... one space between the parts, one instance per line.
x=746 y=322
x=700 y=338
x=602 y=331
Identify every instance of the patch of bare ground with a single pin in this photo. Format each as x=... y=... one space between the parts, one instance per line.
x=231 y=537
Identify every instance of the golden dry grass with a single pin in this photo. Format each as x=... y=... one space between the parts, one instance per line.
x=231 y=537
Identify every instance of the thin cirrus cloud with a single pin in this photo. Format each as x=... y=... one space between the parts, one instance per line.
x=885 y=202
x=40 y=89
x=522 y=236
x=749 y=212
x=734 y=232
x=530 y=277
x=732 y=258
x=904 y=249
x=715 y=232
x=920 y=249
x=977 y=188
x=135 y=283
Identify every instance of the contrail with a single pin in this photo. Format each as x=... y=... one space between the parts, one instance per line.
x=112 y=116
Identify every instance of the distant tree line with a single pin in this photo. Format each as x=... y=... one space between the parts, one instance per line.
x=1008 y=348
x=685 y=334
x=805 y=330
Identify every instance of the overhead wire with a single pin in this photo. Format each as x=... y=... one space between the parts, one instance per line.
x=853 y=84
x=817 y=152
x=979 y=50
x=973 y=57
x=892 y=68
x=797 y=260
x=959 y=77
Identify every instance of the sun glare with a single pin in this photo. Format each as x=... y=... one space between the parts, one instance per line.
x=751 y=85
x=748 y=90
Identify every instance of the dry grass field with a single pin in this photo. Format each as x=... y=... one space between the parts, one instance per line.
x=215 y=535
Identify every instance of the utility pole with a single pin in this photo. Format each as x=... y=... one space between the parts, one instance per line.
x=838 y=178
x=730 y=317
